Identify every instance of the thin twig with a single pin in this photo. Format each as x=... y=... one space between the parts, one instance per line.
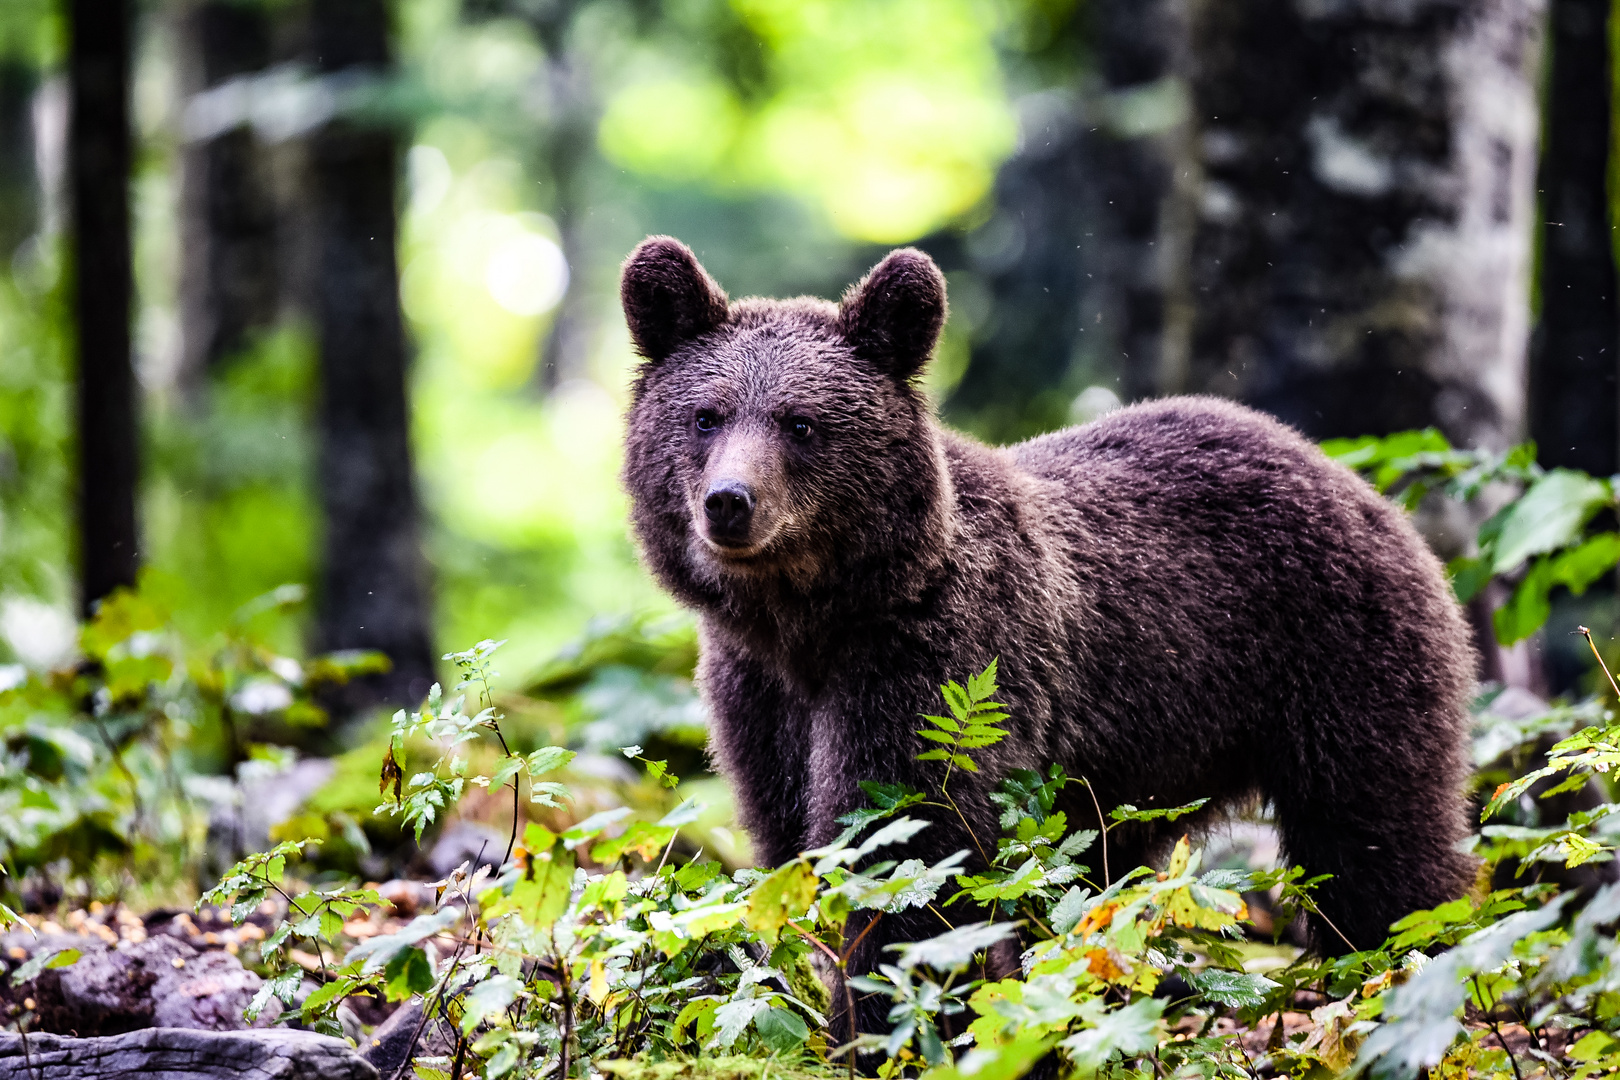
x=28 y=1061
x=665 y=856
x=971 y=834
x=1102 y=825
x=849 y=995
x=1319 y=913
x=1496 y=1028
x=849 y=952
x=427 y=1014
x=1588 y=634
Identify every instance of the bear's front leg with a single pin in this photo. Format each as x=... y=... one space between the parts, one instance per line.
x=846 y=751
x=760 y=738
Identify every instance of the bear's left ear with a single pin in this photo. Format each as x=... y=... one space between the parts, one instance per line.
x=894 y=315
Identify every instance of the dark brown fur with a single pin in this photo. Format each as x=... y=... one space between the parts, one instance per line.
x=1187 y=598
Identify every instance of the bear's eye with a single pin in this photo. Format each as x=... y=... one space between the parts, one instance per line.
x=707 y=420
x=799 y=428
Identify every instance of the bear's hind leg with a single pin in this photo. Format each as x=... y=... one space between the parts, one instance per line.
x=1391 y=852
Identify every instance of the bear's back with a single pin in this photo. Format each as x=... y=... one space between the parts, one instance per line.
x=1204 y=469
x=1223 y=564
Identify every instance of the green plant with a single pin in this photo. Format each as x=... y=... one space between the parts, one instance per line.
x=1540 y=540
x=107 y=763
x=602 y=944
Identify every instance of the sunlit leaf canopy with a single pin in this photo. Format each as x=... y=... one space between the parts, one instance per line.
x=791 y=142
x=888 y=114
x=883 y=120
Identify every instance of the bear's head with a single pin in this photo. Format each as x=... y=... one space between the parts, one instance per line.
x=781 y=442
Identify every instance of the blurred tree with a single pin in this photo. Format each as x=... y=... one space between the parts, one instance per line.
x=228 y=286
x=568 y=145
x=1575 y=352
x=1360 y=235
x=19 y=195
x=373 y=592
x=1574 y=392
x=99 y=169
x=1072 y=252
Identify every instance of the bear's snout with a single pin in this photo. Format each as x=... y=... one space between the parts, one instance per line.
x=729 y=509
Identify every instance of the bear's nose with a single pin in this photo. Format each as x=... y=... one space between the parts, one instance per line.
x=729 y=507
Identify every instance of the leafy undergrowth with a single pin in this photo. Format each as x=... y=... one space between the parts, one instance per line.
x=610 y=940
x=594 y=950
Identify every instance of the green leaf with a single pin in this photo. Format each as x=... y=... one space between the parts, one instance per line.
x=1128 y=1031
x=937 y=736
x=781 y=1029
x=1237 y=989
x=1528 y=608
x=732 y=1018
x=944 y=722
x=1579 y=568
x=408 y=972
x=283 y=985
x=962 y=761
x=1131 y=813
x=505 y=1060
x=687 y=812
x=1468 y=576
x=335 y=991
x=644 y=839
x=380 y=951
x=508 y=768
x=493 y=995
x=45 y=958
x=1067 y=912
x=934 y=755
x=540 y=896
x=954 y=949
x=983 y=685
x=547 y=793
x=547 y=758
x=593 y=825
x=1549 y=516
x=1592 y=1046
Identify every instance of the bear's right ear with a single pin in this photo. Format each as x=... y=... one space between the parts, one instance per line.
x=668 y=297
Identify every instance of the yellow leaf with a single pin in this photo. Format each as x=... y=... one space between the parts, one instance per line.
x=1097 y=918
x=786 y=894
x=599 y=985
x=1103 y=965
x=1184 y=909
x=1179 y=857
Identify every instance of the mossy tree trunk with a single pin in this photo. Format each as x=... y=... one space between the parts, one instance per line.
x=1361 y=236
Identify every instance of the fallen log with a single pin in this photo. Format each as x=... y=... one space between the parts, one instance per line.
x=182 y=1054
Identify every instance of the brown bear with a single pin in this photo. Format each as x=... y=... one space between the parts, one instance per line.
x=1186 y=597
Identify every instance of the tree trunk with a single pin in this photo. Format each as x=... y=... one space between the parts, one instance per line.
x=1361 y=246
x=1072 y=259
x=227 y=207
x=1574 y=393
x=570 y=140
x=99 y=167
x=373 y=592
x=19 y=195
